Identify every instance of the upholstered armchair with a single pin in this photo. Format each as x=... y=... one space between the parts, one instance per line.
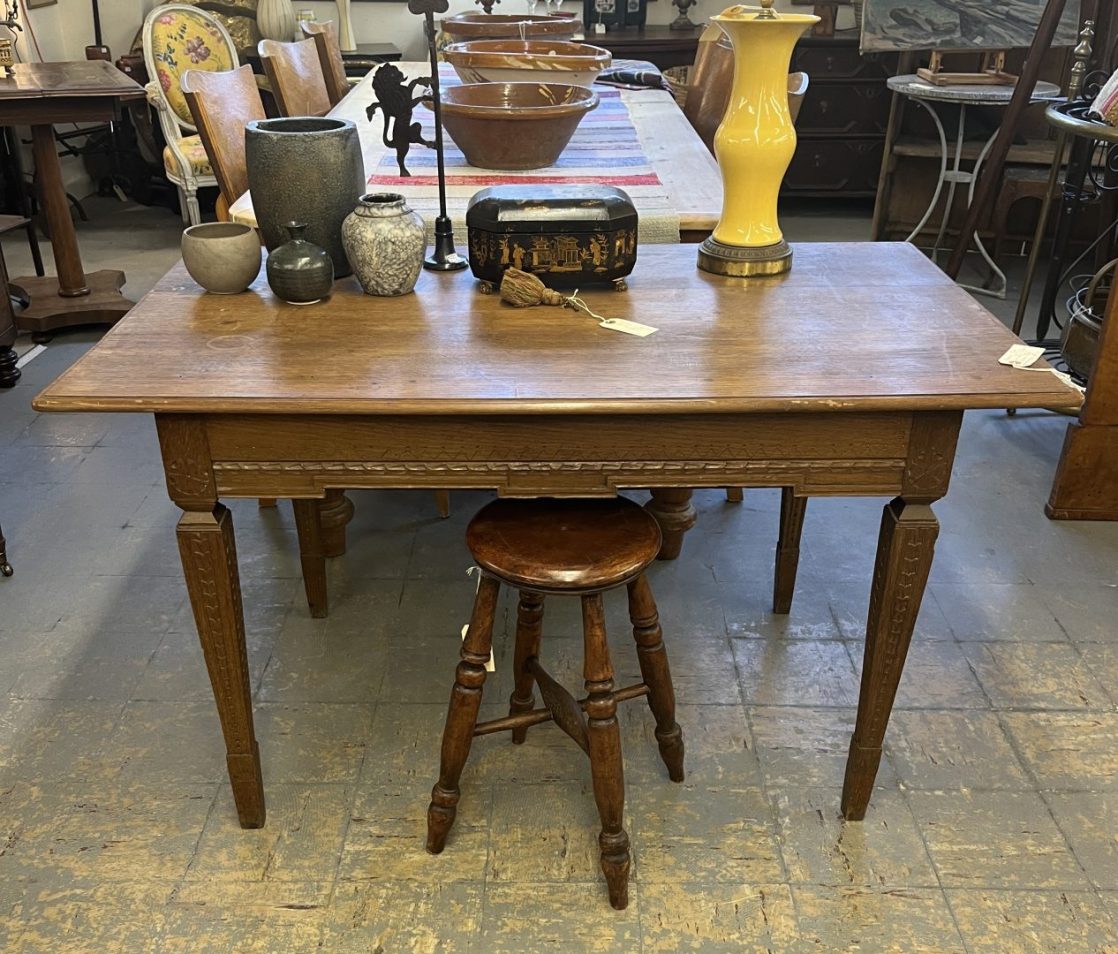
x=178 y=38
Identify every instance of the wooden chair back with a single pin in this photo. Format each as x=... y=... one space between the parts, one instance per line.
x=709 y=84
x=325 y=36
x=295 y=75
x=222 y=104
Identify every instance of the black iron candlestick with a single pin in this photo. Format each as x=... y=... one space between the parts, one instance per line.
x=444 y=257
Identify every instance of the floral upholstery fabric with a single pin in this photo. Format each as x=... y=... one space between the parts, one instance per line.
x=182 y=41
x=192 y=148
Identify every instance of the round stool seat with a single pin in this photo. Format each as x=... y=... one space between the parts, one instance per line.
x=557 y=545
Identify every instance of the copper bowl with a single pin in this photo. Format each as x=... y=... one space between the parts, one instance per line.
x=527 y=61
x=514 y=125
x=505 y=26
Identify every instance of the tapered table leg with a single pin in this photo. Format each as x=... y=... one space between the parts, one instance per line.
x=904 y=559
x=308 y=525
x=209 y=561
x=672 y=509
x=792 y=509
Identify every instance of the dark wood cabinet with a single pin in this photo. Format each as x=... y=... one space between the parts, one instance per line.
x=657 y=44
x=842 y=122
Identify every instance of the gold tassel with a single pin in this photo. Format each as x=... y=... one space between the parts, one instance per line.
x=523 y=289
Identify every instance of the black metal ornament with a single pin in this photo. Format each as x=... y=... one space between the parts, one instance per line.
x=397 y=102
x=444 y=257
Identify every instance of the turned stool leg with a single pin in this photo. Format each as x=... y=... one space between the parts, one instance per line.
x=529 y=625
x=461 y=717
x=656 y=674
x=604 y=737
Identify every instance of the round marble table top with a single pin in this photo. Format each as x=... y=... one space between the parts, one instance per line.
x=976 y=94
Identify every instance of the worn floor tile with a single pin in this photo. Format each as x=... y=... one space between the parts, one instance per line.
x=556 y=917
x=1035 y=676
x=313 y=744
x=884 y=851
x=427 y=918
x=795 y=673
x=300 y=841
x=716 y=918
x=1089 y=821
x=1086 y=613
x=692 y=832
x=896 y=921
x=1067 y=751
x=1033 y=922
x=995 y=839
x=1102 y=661
x=997 y=611
x=313 y=664
x=850 y=606
x=936 y=675
x=807 y=747
x=217 y=927
x=953 y=750
x=164 y=742
x=52 y=739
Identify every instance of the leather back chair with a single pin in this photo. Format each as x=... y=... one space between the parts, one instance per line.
x=325 y=36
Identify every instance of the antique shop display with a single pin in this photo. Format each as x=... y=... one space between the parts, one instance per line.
x=889 y=25
x=575 y=235
x=222 y=257
x=514 y=125
x=503 y=26
x=755 y=143
x=305 y=169
x=276 y=20
x=602 y=15
x=396 y=101
x=385 y=242
x=299 y=272
x=527 y=61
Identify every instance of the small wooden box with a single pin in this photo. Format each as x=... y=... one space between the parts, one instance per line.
x=571 y=236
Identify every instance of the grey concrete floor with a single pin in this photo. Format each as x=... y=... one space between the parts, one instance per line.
x=992 y=829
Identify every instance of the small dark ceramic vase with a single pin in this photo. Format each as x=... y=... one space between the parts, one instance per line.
x=299 y=271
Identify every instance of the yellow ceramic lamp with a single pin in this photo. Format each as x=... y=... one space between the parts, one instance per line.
x=755 y=143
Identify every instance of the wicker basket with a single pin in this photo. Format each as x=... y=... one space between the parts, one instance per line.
x=677 y=80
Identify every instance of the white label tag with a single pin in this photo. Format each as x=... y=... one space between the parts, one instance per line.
x=1066 y=378
x=599 y=28
x=490 y=665
x=1022 y=356
x=628 y=327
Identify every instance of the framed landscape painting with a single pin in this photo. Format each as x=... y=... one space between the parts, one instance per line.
x=889 y=25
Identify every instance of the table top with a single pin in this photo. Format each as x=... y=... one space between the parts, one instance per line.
x=79 y=78
x=976 y=94
x=683 y=164
x=853 y=327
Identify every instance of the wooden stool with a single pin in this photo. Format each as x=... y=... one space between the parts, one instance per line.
x=573 y=548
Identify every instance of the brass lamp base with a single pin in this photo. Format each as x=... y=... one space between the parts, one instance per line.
x=742 y=262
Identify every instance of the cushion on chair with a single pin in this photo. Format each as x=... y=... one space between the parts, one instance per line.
x=192 y=148
x=186 y=40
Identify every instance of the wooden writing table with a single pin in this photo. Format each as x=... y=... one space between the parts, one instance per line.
x=39 y=95
x=847 y=376
x=684 y=165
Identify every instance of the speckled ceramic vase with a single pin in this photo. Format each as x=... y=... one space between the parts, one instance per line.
x=385 y=242
x=304 y=169
x=299 y=271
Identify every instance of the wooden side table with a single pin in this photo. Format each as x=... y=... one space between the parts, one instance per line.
x=657 y=44
x=39 y=95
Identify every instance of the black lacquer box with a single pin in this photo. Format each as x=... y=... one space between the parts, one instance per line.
x=571 y=236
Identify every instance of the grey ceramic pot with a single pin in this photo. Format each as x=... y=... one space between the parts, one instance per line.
x=385 y=242
x=222 y=257
x=299 y=271
x=304 y=169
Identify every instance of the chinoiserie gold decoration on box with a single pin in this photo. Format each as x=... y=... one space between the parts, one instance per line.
x=755 y=142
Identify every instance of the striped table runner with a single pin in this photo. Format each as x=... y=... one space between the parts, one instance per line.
x=605 y=150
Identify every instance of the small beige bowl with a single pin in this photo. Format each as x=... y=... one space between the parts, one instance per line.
x=222 y=257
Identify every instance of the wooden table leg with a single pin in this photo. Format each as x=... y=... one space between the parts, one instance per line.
x=209 y=563
x=904 y=559
x=671 y=506
x=9 y=373
x=308 y=525
x=792 y=509
x=336 y=511
x=72 y=298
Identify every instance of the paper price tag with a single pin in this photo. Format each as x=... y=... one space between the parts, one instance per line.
x=1022 y=356
x=490 y=665
x=628 y=327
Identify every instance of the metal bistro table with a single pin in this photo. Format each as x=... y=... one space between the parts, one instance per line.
x=927 y=95
x=449 y=387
